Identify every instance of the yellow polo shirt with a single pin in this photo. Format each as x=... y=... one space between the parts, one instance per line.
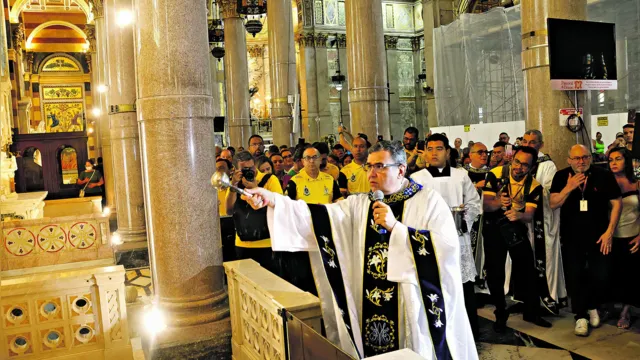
x=331 y=170
x=273 y=185
x=321 y=190
x=356 y=177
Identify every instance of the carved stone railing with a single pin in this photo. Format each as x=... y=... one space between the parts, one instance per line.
x=73 y=206
x=256 y=300
x=29 y=244
x=78 y=313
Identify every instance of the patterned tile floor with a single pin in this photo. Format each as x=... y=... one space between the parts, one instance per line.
x=141 y=280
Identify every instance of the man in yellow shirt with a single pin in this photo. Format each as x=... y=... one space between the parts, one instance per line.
x=252 y=233
x=325 y=167
x=313 y=187
x=355 y=177
x=415 y=156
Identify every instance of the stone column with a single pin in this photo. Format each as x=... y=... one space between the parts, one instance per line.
x=396 y=122
x=175 y=114
x=368 y=91
x=282 y=62
x=125 y=143
x=236 y=71
x=102 y=119
x=308 y=86
x=542 y=103
x=431 y=20
x=325 y=125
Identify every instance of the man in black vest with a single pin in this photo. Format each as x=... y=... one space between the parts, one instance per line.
x=252 y=233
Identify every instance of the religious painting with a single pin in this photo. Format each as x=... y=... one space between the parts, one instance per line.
x=62 y=93
x=69 y=165
x=60 y=64
x=63 y=117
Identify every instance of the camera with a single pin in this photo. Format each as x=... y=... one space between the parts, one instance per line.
x=249 y=174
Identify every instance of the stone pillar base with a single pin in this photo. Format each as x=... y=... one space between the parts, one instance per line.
x=205 y=341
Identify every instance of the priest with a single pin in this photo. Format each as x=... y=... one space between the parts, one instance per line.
x=458 y=191
x=388 y=269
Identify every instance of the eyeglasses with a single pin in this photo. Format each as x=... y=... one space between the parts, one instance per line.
x=583 y=158
x=311 y=158
x=378 y=167
x=480 y=152
x=519 y=164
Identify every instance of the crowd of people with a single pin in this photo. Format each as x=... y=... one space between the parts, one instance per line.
x=518 y=227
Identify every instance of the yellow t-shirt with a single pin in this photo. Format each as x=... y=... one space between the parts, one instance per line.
x=222 y=202
x=356 y=176
x=273 y=185
x=321 y=190
x=420 y=162
x=332 y=170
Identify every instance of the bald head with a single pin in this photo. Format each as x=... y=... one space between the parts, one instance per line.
x=579 y=158
x=478 y=155
x=477 y=146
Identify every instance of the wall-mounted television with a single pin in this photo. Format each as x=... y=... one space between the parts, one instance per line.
x=582 y=55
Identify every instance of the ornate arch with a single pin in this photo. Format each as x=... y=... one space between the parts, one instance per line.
x=64 y=55
x=52 y=23
x=19 y=5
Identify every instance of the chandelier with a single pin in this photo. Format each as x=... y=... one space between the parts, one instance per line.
x=216 y=38
x=252 y=11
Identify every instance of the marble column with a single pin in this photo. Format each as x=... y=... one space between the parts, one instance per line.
x=100 y=102
x=125 y=143
x=542 y=104
x=396 y=123
x=236 y=71
x=308 y=86
x=282 y=62
x=325 y=123
x=431 y=20
x=368 y=91
x=175 y=113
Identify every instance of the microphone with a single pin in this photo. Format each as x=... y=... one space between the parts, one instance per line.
x=378 y=195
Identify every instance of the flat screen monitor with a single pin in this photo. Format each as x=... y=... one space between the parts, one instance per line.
x=582 y=55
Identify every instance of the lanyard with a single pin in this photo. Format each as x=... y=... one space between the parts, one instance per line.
x=584 y=187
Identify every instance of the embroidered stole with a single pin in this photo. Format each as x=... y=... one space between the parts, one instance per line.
x=380 y=303
x=476 y=229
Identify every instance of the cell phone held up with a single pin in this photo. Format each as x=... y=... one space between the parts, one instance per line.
x=421 y=145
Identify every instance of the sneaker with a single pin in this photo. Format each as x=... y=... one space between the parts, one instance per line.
x=582 y=327
x=594 y=318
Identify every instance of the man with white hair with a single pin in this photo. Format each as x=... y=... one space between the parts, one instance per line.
x=387 y=265
x=590 y=203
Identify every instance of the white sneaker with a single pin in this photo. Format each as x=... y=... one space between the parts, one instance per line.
x=582 y=327
x=594 y=318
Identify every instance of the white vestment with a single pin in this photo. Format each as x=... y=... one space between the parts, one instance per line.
x=457 y=189
x=554 y=270
x=291 y=224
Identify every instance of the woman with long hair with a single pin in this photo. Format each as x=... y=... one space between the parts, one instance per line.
x=626 y=241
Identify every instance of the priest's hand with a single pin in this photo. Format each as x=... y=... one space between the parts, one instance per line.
x=383 y=216
x=260 y=198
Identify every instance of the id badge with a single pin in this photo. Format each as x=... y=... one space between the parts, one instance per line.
x=583 y=205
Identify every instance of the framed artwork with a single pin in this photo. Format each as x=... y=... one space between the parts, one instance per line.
x=63 y=117
x=62 y=93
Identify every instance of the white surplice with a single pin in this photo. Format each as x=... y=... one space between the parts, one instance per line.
x=292 y=228
x=554 y=270
x=457 y=189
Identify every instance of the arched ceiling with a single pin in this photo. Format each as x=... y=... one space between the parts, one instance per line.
x=49 y=6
